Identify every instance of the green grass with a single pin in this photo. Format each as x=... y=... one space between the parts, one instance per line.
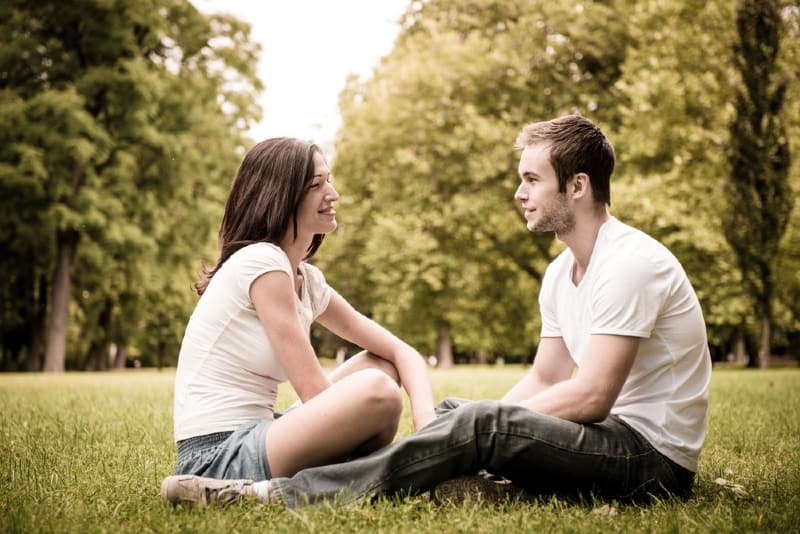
x=87 y=452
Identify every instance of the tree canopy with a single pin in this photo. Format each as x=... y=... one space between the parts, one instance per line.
x=124 y=123
x=430 y=241
x=124 y=120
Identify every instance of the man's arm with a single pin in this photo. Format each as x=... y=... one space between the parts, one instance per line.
x=589 y=395
x=552 y=364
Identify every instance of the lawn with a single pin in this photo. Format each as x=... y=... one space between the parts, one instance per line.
x=86 y=453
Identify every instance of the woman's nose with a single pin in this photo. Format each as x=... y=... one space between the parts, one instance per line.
x=332 y=194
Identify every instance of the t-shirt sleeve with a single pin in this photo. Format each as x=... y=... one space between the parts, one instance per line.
x=319 y=292
x=547 y=305
x=261 y=259
x=627 y=298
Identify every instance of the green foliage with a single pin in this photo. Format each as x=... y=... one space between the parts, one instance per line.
x=126 y=121
x=124 y=124
x=429 y=236
x=87 y=452
x=671 y=145
x=759 y=192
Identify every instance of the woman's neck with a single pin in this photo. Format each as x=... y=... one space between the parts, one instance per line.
x=296 y=250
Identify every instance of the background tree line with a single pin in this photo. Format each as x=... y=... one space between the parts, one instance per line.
x=125 y=123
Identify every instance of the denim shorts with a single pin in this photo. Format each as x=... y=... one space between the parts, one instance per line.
x=227 y=455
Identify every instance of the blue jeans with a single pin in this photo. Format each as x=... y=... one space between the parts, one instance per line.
x=227 y=455
x=540 y=453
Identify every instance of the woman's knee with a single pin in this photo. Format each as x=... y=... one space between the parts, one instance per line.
x=383 y=365
x=381 y=393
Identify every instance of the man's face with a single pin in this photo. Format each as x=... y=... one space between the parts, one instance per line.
x=546 y=210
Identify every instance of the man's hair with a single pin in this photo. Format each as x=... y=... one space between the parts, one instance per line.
x=576 y=145
x=262 y=205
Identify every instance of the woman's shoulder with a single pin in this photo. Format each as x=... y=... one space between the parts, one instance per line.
x=260 y=249
x=260 y=254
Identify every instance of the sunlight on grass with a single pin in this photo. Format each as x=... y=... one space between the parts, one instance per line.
x=86 y=451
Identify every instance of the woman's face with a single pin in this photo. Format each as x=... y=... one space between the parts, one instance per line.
x=316 y=215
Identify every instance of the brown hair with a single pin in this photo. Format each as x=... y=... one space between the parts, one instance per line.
x=576 y=145
x=272 y=179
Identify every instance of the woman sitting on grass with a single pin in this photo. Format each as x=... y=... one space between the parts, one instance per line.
x=250 y=332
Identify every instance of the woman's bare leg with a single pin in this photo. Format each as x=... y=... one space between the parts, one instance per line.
x=356 y=415
x=364 y=360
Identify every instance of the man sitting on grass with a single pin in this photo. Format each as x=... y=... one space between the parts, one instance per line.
x=616 y=305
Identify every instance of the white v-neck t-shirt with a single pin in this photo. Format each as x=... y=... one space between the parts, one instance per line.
x=228 y=372
x=634 y=286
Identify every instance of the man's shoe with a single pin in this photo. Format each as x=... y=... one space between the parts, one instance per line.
x=483 y=487
x=194 y=490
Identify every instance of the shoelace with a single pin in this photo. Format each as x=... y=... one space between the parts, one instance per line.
x=226 y=494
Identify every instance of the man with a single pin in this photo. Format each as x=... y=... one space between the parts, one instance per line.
x=616 y=305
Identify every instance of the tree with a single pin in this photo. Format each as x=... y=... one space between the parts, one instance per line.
x=126 y=116
x=671 y=145
x=429 y=239
x=759 y=194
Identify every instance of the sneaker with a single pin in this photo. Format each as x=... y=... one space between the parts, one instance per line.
x=194 y=490
x=483 y=487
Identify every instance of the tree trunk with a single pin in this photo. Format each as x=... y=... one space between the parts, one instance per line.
x=96 y=356
x=38 y=332
x=55 y=353
x=765 y=344
x=481 y=358
x=121 y=356
x=444 y=348
x=740 y=349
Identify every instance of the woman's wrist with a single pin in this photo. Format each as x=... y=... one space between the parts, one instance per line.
x=422 y=419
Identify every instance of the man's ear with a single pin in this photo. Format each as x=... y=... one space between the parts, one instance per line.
x=580 y=185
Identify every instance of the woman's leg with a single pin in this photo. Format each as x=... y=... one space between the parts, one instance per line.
x=357 y=415
x=364 y=360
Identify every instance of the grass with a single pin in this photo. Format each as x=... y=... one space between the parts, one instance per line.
x=87 y=452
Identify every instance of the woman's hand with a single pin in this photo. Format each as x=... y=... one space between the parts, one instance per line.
x=343 y=320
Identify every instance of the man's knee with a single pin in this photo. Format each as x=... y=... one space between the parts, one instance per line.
x=449 y=404
x=481 y=412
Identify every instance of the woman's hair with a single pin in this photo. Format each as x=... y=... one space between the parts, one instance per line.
x=272 y=179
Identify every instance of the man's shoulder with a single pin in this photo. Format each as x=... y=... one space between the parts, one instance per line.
x=624 y=243
x=562 y=262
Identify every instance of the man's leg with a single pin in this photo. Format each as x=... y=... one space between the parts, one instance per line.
x=535 y=451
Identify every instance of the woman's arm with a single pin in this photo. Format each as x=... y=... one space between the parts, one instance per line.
x=344 y=321
x=273 y=297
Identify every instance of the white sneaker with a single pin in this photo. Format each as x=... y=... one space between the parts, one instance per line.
x=194 y=490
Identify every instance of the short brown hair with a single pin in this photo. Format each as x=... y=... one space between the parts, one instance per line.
x=576 y=145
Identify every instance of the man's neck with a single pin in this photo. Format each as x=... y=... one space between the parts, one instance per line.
x=581 y=240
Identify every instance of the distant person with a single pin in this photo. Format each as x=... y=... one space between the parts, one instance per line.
x=617 y=306
x=250 y=332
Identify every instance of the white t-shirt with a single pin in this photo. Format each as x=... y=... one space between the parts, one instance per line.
x=228 y=373
x=634 y=286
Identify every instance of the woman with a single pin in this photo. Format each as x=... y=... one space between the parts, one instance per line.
x=249 y=332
